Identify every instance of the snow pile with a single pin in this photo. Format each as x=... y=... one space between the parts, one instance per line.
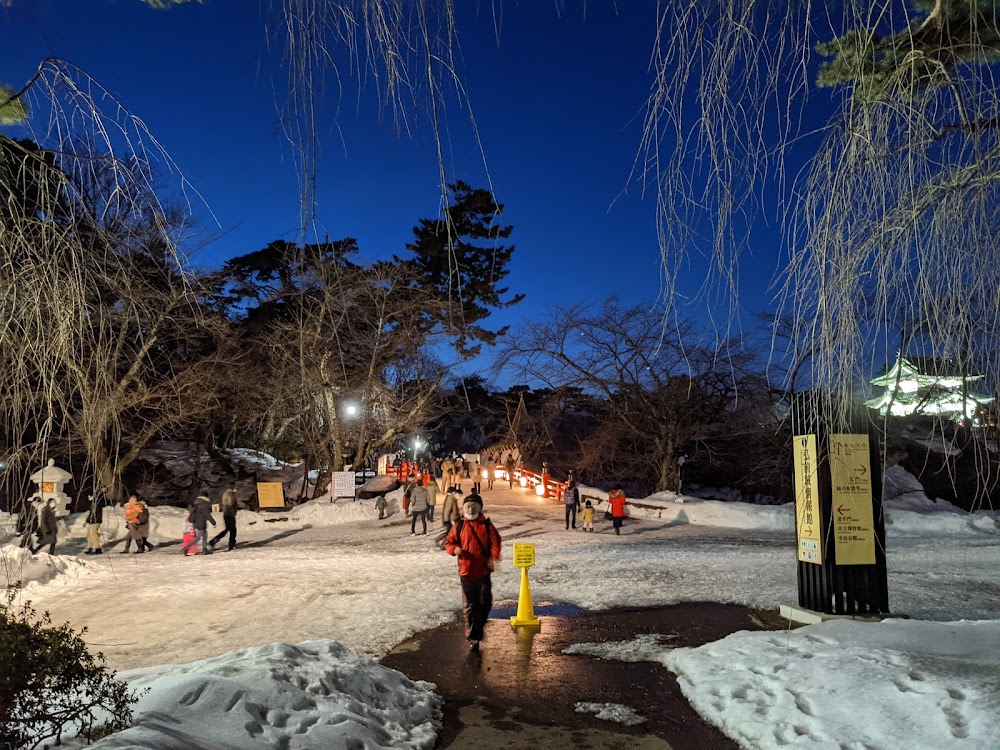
x=886 y=685
x=610 y=712
x=908 y=509
x=315 y=694
x=321 y=512
x=21 y=568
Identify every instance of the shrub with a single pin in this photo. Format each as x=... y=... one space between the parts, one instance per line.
x=50 y=683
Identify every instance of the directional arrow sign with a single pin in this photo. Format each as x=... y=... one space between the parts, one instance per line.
x=862 y=470
x=841 y=509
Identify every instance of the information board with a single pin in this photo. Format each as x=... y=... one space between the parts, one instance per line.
x=343 y=484
x=853 y=521
x=524 y=555
x=270 y=495
x=808 y=519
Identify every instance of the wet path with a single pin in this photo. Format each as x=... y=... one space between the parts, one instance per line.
x=520 y=692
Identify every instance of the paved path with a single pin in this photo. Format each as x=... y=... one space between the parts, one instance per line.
x=521 y=691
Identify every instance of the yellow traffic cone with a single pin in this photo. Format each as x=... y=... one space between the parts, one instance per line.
x=525 y=607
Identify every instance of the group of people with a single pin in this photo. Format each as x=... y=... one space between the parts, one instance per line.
x=615 y=512
x=199 y=516
x=40 y=521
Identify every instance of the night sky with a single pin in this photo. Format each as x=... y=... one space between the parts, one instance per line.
x=558 y=101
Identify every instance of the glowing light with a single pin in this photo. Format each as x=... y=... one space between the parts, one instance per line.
x=523 y=481
x=540 y=489
x=486 y=474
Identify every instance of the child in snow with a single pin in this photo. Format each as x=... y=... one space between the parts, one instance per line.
x=588 y=516
x=188 y=545
x=380 y=506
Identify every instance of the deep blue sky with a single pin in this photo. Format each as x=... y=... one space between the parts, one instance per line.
x=558 y=102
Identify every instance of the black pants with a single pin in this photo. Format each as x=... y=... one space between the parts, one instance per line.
x=230 y=529
x=475 y=487
x=571 y=511
x=49 y=539
x=477 y=601
x=422 y=515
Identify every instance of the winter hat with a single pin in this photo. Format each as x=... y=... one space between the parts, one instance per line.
x=475 y=499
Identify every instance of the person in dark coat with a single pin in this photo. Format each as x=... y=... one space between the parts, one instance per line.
x=47 y=528
x=229 y=508
x=201 y=516
x=27 y=522
x=476 y=543
x=571 y=498
x=95 y=516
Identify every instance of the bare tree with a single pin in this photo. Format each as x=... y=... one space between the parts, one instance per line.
x=660 y=392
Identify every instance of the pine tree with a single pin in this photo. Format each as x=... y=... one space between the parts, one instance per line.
x=461 y=258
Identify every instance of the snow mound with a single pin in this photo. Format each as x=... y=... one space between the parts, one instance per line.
x=321 y=512
x=610 y=712
x=908 y=509
x=883 y=685
x=314 y=694
x=22 y=568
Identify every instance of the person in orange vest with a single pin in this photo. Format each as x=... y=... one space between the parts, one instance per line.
x=616 y=499
x=476 y=543
x=133 y=510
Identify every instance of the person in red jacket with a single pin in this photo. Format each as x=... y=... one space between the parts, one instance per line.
x=476 y=542
x=616 y=499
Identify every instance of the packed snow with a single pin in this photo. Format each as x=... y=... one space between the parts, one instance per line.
x=332 y=572
x=315 y=694
x=610 y=712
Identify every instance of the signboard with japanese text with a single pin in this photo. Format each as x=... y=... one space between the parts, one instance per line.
x=524 y=555
x=343 y=484
x=270 y=495
x=808 y=519
x=851 y=482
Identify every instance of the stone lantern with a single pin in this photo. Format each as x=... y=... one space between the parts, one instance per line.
x=51 y=480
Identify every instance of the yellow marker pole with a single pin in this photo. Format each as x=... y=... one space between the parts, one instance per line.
x=524 y=558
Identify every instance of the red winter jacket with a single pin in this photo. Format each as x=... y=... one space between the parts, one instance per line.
x=617 y=502
x=472 y=554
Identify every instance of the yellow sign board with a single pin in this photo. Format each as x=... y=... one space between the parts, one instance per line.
x=808 y=520
x=270 y=495
x=853 y=521
x=524 y=555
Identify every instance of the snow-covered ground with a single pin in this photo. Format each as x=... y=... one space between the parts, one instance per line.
x=333 y=572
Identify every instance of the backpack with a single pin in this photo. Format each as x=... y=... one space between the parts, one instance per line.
x=144 y=515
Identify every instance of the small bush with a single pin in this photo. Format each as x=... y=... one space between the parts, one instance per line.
x=50 y=683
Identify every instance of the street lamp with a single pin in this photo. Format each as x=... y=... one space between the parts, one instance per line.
x=417 y=445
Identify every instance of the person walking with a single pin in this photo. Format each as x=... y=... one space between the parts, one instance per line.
x=411 y=482
x=450 y=513
x=143 y=529
x=47 y=528
x=616 y=499
x=571 y=499
x=132 y=512
x=476 y=543
x=418 y=507
x=432 y=498
x=509 y=467
x=229 y=508
x=380 y=506
x=201 y=516
x=27 y=521
x=95 y=516
x=448 y=471
x=588 y=517
x=477 y=477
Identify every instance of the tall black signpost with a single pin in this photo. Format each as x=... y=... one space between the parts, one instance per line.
x=839 y=526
